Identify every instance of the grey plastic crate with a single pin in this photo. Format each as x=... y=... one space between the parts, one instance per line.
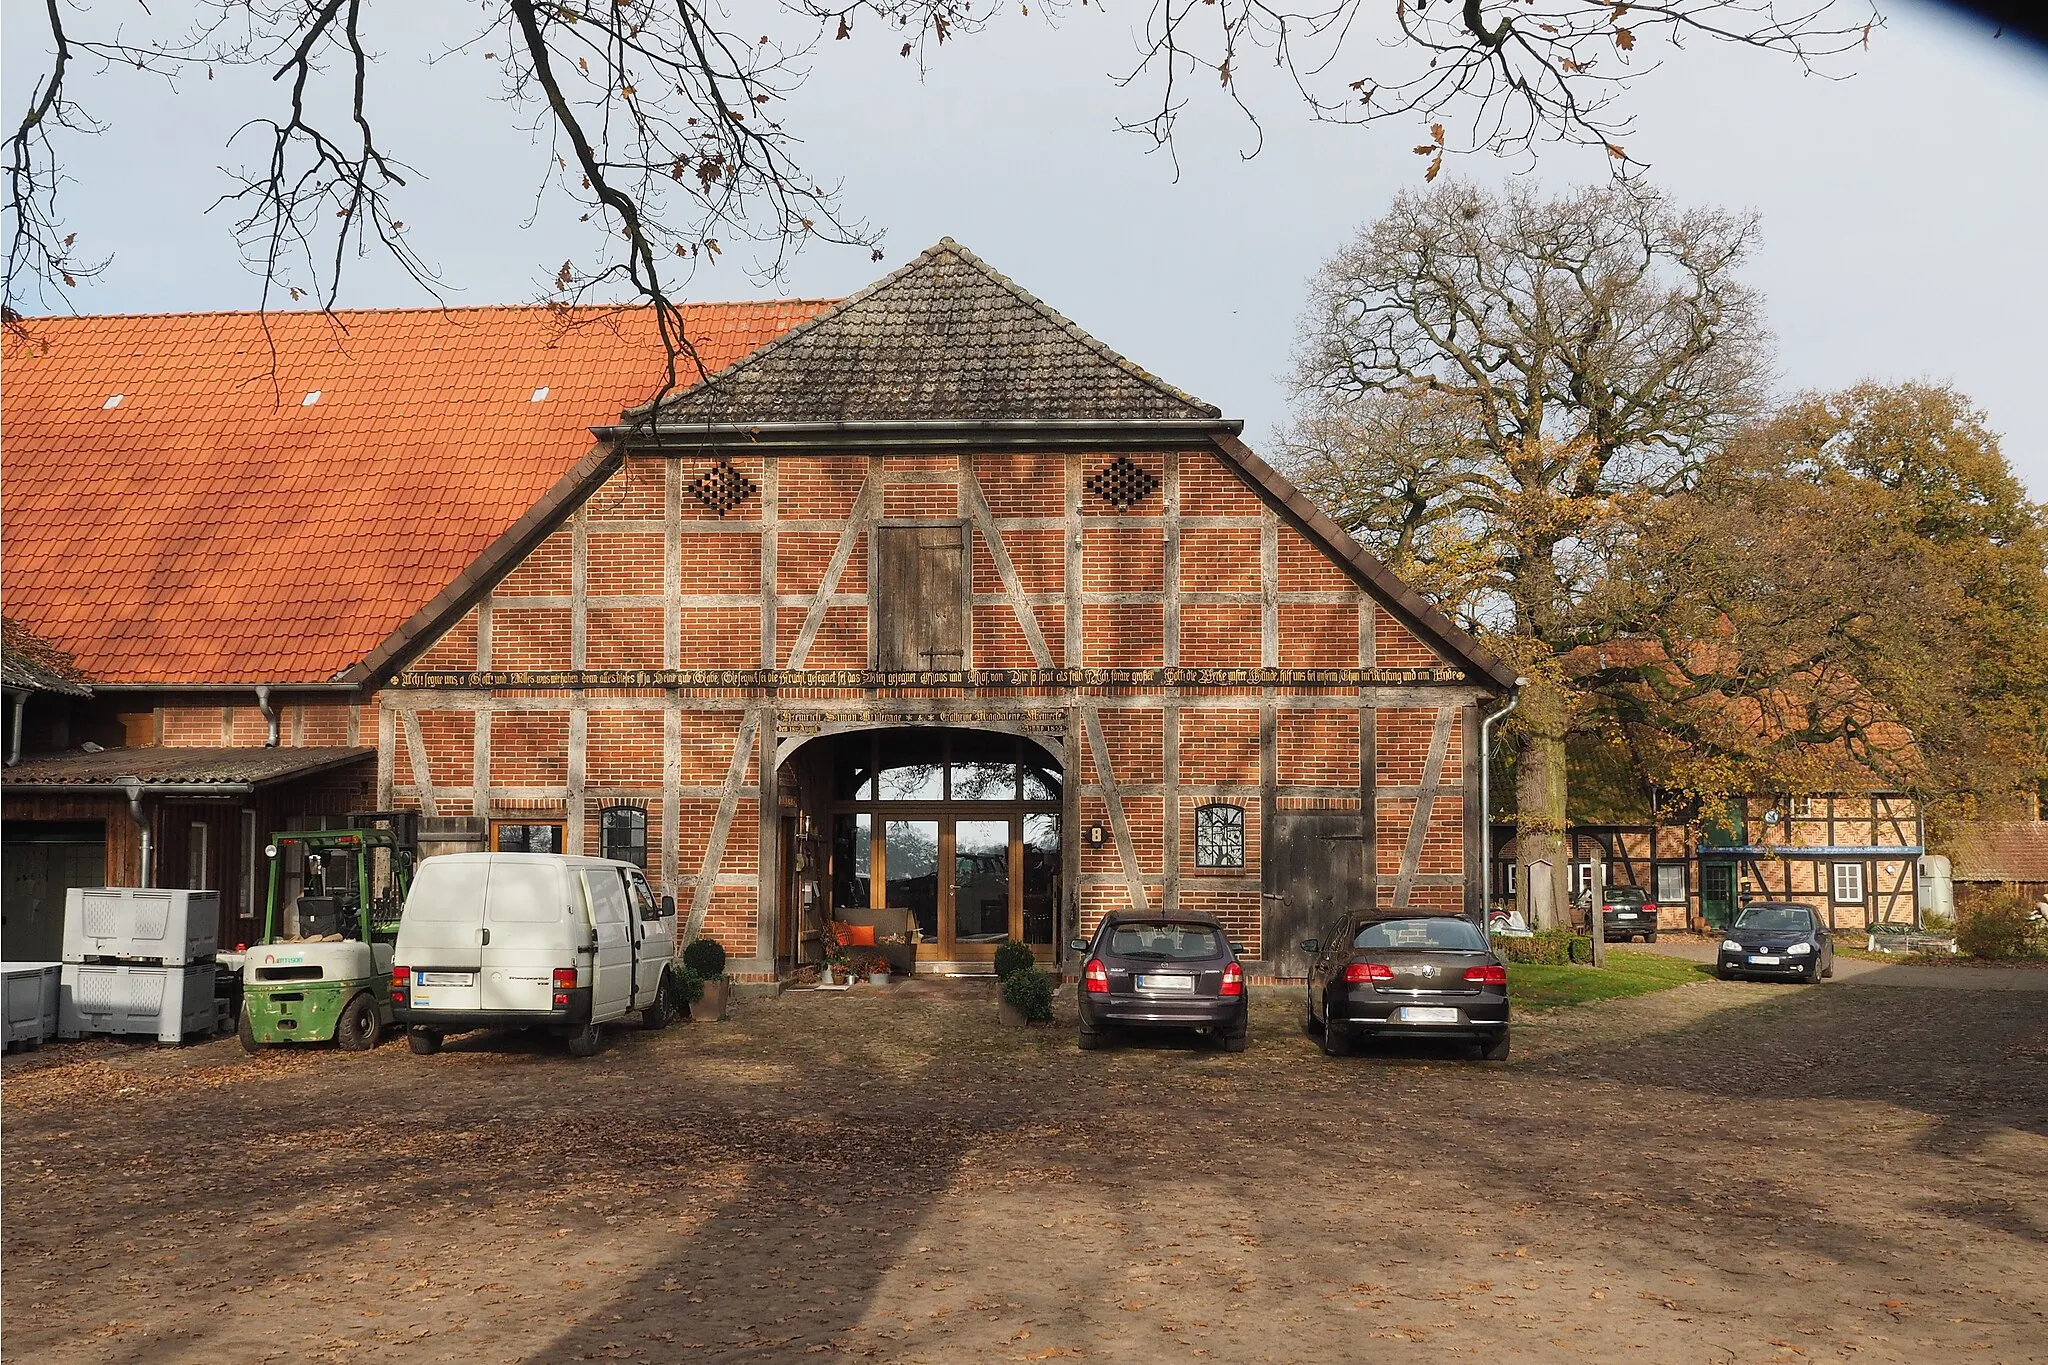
x=163 y=925
x=30 y=1002
x=169 y=1002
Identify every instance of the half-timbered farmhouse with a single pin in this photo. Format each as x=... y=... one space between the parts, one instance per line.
x=926 y=608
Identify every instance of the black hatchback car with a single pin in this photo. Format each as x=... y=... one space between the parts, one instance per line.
x=1162 y=970
x=1416 y=976
x=1625 y=911
x=1782 y=940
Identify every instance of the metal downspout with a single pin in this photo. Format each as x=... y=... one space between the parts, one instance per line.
x=142 y=827
x=269 y=714
x=14 y=745
x=1486 y=800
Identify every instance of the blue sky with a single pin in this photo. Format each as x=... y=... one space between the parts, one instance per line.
x=1902 y=208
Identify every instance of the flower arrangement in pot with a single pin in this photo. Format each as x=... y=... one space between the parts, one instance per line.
x=704 y=958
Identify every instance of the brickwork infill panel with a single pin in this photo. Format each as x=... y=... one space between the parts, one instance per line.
x=1123 y=635
x=1209 y=489
x=692 y=508
x=624 y=565
x=326 y=723
x=456 y=649
x=1123 y=559
x=1304 y=567
x=802 y=557
x=841 y=641
x=1136 y=742
x=1219 y=746
x=624 y=637
x=529 y=748
x=623 y=750
x=818 y=489
x=719 y=563
x=449 y=739
x=1023 y=485
x=1395 y=646
x=1318 y=748
x=1222 y=635
x=1402 y=741
x=707 y=740
x=1319 y=635
x=527 y=638
x=721 y=637
x=634 y=492
x=544 y=572
x=1219 y=559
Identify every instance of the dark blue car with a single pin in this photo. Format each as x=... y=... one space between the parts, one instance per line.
x=1778 y=941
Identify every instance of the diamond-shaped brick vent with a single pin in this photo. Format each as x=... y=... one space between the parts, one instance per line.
x=1122 y=483
x=721 y=487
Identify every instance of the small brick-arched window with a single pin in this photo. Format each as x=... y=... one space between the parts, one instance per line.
x=1219 y=835
x=622 y=834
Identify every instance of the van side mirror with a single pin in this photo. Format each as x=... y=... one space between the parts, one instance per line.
x=1079 y=945
x=1311 y=945
x=668 y=907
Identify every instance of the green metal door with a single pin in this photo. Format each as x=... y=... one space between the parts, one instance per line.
x=1717 y=892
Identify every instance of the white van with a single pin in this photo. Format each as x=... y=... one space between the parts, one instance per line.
x=530 y=940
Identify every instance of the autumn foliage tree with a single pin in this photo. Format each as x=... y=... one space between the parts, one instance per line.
x=1854 y=589
x=1494 y=390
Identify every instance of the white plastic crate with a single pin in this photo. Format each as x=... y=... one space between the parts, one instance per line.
x=170 y=1002
x=167 y=926
x=30 y=1001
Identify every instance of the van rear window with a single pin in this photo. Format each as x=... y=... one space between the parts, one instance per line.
x=447 y=890
x=526 y=893
x=1167 y=942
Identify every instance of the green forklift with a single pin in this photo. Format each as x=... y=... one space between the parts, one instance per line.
x=322 y=970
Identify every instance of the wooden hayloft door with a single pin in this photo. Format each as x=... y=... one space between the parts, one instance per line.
x=920 y=577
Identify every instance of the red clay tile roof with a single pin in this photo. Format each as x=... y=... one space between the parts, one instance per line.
x=2000 y=851
x=215 y=527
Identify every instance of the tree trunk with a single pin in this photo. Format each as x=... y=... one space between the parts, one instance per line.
x=1541 y=849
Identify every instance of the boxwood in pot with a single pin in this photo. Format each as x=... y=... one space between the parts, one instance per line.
x=1013 y=957
x=1029 y=992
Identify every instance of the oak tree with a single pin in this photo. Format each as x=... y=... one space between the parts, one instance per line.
x=1493 y=390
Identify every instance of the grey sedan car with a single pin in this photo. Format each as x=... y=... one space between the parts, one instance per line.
x=1412 y=976
x=1162 y=970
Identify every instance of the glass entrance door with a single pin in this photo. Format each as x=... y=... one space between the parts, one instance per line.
x=960 y=829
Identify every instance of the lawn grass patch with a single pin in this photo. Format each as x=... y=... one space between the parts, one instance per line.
x=1535 y=986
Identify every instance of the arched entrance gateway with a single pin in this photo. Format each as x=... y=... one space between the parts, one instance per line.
x=946 y=837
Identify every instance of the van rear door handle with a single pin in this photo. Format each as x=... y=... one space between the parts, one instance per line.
x=485 y=938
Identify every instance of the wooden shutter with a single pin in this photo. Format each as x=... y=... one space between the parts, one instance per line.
x=920 y=598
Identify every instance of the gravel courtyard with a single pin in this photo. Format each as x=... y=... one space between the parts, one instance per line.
x=1721 y=1172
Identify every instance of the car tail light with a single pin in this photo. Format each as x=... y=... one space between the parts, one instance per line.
x=1487 y=976
x=565 y=981
x=1233 y=980
x=1361 y=973
x=1095 y=977
x=401 y=982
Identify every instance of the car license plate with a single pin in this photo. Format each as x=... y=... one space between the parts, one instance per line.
x=1430 y=1014
x=447 y=978
x=1766 y=961
x=1166 y=983
x=1625 y=914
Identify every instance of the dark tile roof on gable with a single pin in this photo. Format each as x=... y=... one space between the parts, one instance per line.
x=30 y=663
x=944 y=339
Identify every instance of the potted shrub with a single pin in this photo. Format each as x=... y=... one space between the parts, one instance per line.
x=875 y=968
x=705 y=958
x=1012 y=957
x=1026 y=998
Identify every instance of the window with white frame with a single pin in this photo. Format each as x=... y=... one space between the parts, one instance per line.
x=1848 y=883
x=1671 y=887
x=1506 y=880
x=1803 y=805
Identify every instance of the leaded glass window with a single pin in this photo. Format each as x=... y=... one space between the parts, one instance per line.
x=1219 y=835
